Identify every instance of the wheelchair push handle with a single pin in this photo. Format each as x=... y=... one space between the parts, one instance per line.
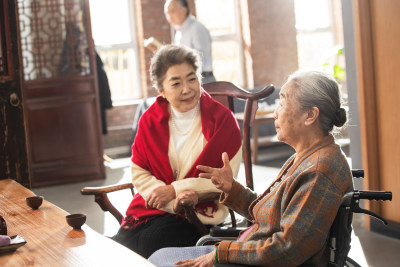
x=369 y=195
x=375 y=195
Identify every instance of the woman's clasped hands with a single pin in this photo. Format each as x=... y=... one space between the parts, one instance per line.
x=160 y=196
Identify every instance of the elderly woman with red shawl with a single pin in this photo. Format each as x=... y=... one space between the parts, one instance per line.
x=184 y=128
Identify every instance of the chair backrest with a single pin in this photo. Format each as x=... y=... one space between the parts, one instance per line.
x=225 y=92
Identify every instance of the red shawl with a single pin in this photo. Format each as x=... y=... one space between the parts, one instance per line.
x=150 y=148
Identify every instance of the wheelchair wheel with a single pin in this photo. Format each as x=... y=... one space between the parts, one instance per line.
x=351 y=263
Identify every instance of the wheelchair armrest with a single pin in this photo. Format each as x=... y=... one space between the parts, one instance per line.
x=217 y=234
x=217 y=231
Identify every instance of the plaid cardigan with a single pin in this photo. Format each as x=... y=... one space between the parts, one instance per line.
x=291 y=221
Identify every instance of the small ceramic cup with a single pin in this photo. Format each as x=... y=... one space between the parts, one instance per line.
x=76 y=220
x=34 y=202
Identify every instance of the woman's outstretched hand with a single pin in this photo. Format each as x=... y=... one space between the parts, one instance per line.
x=222 y=178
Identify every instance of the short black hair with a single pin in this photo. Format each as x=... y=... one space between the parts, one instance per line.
x=184 y=3
x=168 y=56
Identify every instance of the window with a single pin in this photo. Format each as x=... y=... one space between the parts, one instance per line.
x=317 y=47
x=319 y=37
x=114 y=35
x=222 y=20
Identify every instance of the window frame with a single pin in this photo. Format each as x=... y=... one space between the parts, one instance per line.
x=136 y=90
x=235 y=37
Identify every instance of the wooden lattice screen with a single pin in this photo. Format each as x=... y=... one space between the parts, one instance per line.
x=53 y=38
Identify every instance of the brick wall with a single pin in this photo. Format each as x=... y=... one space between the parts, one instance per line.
x=117 y=141
x=150 y=22
x=273 y=40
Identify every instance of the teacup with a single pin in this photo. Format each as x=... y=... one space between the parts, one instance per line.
x=34 y=202
x=76 y=220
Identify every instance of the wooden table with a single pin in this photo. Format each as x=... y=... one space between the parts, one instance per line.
x=256 y=140
x=51 y=241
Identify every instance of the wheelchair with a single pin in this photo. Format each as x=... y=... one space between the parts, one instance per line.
x=339 y=235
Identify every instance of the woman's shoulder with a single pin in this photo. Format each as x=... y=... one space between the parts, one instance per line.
x=331 y=153
x=325 y=157
x=332 y=163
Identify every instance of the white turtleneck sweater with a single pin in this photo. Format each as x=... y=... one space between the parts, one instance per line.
x=184 y=121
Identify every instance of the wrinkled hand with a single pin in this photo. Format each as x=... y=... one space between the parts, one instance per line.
x=185 y=195
x=160 y=196
x=206 y=260
x=222 y=178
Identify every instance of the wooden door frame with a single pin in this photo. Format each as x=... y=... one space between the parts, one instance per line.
x=367 y=99
x=376 y=33
x=15 y=147
x=367 y=96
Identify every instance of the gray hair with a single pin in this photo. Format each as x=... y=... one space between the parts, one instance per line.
x=171 y=55
x=318 y=89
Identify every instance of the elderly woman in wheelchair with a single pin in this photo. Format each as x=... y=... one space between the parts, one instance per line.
x=292 y=218
x=183 y=128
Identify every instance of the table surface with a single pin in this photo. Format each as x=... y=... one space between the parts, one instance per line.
x=50 y=240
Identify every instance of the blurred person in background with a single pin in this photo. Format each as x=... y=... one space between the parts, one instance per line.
x=191 y=33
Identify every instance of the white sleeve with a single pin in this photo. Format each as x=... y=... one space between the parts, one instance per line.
x=143 y=181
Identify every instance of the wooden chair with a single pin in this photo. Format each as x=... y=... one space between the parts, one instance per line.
x=224 y=92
